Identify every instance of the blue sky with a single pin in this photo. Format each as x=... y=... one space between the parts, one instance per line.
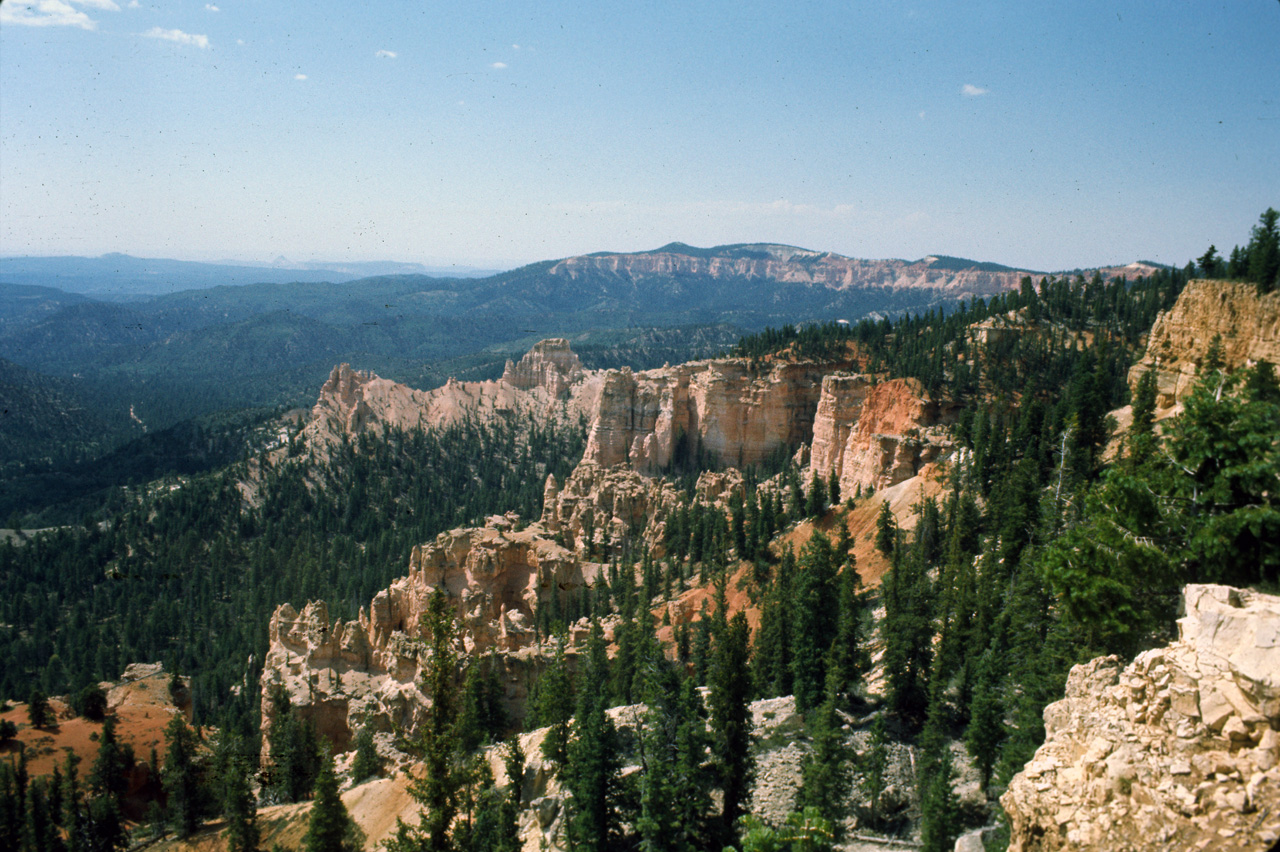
x=1040 y=135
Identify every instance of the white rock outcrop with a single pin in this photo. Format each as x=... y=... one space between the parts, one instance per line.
x=1178 y=750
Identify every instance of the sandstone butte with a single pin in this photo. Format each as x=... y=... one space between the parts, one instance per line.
x=884 y=434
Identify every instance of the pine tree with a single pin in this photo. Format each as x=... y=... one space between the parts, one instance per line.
x=293 y=755
x=817 y=614
x=239 y=804
x=873 y=767
x=816 y=500
x=1264 y=252
x=986 y=732
x=731 y=755
x=939 y=807
x=826 y=769
x=107 y=781
x=552 y=705
x=851 y=656
x=439 y=788
x=907 y=632
x=771 y=664
x=886 y=529
x=367 y=764
x=39 y=713
x=1141 y=433
x=507 y=834
x=592 y=773
x=674 y=785
x=181 y=777
x=331 y=828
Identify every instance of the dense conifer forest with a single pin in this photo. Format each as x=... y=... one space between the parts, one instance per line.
x=1042 y=552
x=186 y=572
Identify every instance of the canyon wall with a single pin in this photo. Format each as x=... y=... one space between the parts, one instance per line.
x=734 y=411
x=1247 y=323
x=875 y=434
x=737 y=414
x=1178 y=750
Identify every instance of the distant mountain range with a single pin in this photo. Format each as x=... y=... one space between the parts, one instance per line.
x=121 y=276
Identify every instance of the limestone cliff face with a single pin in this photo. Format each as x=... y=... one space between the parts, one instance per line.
x=875 y=435
x=1178 y=750
x=1248 y=324
x=339 y=673
x=820 y=269
x=548 y=382
x=739 y=416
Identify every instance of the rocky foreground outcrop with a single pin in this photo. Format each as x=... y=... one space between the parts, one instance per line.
x=1248 y=325
x=1179 y=750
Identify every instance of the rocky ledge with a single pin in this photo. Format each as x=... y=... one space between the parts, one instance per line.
x=1179 y=750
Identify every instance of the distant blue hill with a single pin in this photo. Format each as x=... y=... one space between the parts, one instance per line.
x=122 y=277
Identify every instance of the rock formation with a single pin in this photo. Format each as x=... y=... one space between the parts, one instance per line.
x=1247 y=323
x=725 y=408
x=548 y=382
x=550 y=364
x=875 y=435
x=338 y=674
x=1178 y=750
x=734 y=411
x=606 y=505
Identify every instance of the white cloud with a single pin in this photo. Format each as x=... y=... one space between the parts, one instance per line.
x=386 y=54
x=499 y=65
x=971 y=91
x=52 y=13
x=299 y=76
x=211 y=7
x=922 y=113
x=178 y=37
x=515 y=47
x=134 y=4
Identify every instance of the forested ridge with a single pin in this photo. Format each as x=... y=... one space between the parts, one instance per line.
x=1041 y=552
